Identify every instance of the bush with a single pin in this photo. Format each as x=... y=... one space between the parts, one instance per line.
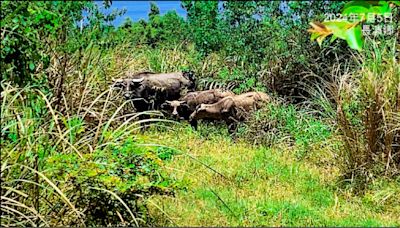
x=284 y=123
x=262 y=44
x=27 y=29
x=111 y=185
x=165 y=30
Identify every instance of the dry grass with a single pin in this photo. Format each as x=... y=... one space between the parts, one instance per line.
x=368 y=103
x=364 y=106
x=36 y=131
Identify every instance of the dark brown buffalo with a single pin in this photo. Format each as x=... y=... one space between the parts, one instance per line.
x=149 y=90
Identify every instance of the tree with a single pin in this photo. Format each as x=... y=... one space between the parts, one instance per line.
x=204 y=24
x=27 y=28
x=127 y=23
x=154 y=10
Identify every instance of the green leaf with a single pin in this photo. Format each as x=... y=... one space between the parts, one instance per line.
x=338 y=27
x=333 y=38
x=314 y=36
x=31 y=66
x=355 y=10
x=356 y=3
x=395 y=2
x=354 y=38
x=380 y=9
x=41 y=154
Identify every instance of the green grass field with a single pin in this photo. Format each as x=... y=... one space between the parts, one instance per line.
x=227 y=183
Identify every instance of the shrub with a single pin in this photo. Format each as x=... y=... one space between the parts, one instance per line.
x=258 y=42
x=165 y=30
x=27 y=28
x=110 y=185
x=285 y=123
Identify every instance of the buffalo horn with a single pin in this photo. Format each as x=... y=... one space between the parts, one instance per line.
x=138 y=80
x=117 y=80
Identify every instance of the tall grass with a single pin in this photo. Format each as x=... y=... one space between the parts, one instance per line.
x=32 y=132
x=74 y=160
x=60 y=164
x=365 y=106
x=372 y=148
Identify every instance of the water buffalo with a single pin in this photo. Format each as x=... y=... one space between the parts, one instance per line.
x=183 y=107
x=230 y=109
x=149 y=90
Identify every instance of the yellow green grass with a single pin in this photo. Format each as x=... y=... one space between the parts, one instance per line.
x=232 y=183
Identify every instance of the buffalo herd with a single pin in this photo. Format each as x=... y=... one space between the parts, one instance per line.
x=175 y=94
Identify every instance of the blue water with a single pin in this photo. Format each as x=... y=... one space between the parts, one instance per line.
x=137 y=10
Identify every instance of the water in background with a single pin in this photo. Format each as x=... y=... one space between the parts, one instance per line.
x=137 y=10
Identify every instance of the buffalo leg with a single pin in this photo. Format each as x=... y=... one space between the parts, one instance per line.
x=194 y=124
x=228 y=105
x=232 y=124
x=232 y=128
x=143 y=125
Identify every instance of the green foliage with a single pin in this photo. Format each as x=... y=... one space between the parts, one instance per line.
x=165 y=153
x=367 y=119
x=364 y=8
x=130 y=171
x=154 y=10
x=339 y=29
x=64 y=142
x=258 y=39
x=26 y=28
x=35 y=34
x=275 y=123
x=167 y=29
x=49 y=156
x=204 y=24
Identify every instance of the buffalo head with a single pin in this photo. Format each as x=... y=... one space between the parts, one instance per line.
x=176 y=106
x=132 y=88
x=136 y=87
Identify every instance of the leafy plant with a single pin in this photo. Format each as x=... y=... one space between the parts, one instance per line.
x=129 y=171
x=27 y=28
x=351 y=30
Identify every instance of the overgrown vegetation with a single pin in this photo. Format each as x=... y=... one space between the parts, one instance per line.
x=368 y=107
x=324 y=152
